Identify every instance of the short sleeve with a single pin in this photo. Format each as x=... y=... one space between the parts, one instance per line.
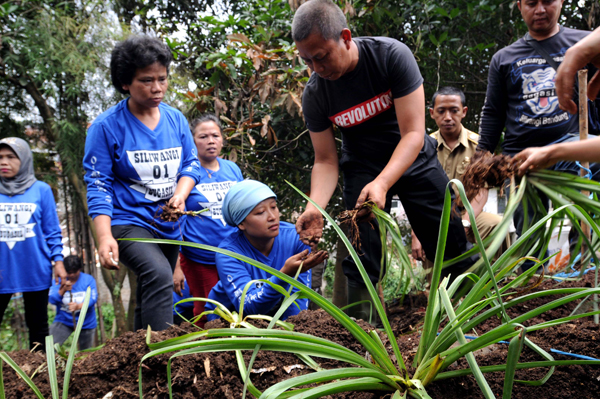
x=402 y=70
x=314 y=108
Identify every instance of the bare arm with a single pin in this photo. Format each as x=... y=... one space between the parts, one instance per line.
x=542 y=157
x=478 y=203
x=577 y=57
x=410 y=111
x=182 y=191
x=324 y=177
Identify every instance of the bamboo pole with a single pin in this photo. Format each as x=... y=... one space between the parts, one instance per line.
x=583 y=134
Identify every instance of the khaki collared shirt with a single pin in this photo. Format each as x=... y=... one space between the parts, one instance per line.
x=455 y=161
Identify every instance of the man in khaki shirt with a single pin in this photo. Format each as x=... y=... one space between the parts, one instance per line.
x=456 y=147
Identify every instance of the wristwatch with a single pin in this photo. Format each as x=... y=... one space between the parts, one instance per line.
x=466 y=224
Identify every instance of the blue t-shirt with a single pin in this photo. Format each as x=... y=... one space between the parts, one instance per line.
x=235 y=274
x=209 y=228
x=77 y=295
x=30 y=239
x=131 y=170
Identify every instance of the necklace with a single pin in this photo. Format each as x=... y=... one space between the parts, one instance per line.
x=208 y=173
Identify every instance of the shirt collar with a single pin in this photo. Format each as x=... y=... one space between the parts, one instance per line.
x=463 y=139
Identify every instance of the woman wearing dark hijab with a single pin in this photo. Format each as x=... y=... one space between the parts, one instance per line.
x=30 y=237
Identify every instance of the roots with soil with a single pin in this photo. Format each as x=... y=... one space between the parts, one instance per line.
x=486 y=171
x=171 y=214
x=353 y=217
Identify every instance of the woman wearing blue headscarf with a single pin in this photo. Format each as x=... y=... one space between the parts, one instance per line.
x=252 y=207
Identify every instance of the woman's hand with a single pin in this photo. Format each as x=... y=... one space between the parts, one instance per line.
x=305 y=260
x=177 y=201
x=178 y=279
x=60 y=273
x=108 y=250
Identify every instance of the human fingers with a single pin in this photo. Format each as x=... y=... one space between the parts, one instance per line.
x=364 y=215
x=594 y=86
x=177 y=202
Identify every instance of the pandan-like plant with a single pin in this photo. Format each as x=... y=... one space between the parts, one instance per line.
x=441 y=344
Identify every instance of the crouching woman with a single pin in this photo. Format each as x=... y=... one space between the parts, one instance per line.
x=252 y=207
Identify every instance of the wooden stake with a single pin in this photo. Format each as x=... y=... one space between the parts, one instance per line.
x=583 y=135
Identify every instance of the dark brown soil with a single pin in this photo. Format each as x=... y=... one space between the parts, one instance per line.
x=114 y=368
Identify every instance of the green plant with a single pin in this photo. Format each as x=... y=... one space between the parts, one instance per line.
x=51 y=361
x=436 y=351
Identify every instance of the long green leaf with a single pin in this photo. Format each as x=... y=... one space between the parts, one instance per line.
x=520 y=366
x=73 y=351
x=51 y=362
x=358 y=384
x=323 y=376
x=481 y=381
x=4 y=356
x=514 y=352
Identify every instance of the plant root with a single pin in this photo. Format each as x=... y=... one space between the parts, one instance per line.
x=486 y=171
x=171 y=214
x=355 y=216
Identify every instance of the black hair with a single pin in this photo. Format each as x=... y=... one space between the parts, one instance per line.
x=72 y=263
x=137 y=52
x=318 y=16
x=206 y=118
x=449 y=91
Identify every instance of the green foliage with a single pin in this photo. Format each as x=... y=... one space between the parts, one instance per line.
x=442 y=339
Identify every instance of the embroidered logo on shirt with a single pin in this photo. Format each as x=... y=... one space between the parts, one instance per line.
x=157 y=171
x=363 y=112
x=14 y=222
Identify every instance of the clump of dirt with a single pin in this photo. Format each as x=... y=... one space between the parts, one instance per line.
x=114 y=368
x=487 y=170
x=169 y=213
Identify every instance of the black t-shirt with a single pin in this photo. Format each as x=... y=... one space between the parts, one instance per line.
x=361 y=102
x=521 y=96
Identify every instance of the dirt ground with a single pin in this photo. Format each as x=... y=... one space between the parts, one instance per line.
x=113 y=370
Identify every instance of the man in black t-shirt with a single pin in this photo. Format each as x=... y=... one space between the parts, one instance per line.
x=372 y=90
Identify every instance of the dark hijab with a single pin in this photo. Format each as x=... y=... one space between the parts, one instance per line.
x=24 y=177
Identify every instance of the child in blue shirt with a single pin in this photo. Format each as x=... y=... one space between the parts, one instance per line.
x=252 y=207
x=30 y=238
x=217 y=176
x=138 y=155
x=68 y=299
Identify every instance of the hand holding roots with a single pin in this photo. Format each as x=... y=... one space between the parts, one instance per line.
x=355 y=216
x=172 y=214
x=486 y=171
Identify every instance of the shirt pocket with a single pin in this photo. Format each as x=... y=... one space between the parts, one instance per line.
x=462 y=167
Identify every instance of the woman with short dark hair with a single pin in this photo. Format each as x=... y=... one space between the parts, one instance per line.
x=138 y=155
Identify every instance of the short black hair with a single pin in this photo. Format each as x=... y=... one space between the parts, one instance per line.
x=72 y=263
x=318 y=16
x=449 y=91
x=136 y=52
x=206 y=118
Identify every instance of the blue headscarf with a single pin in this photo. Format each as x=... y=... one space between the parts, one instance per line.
x=242 y=198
